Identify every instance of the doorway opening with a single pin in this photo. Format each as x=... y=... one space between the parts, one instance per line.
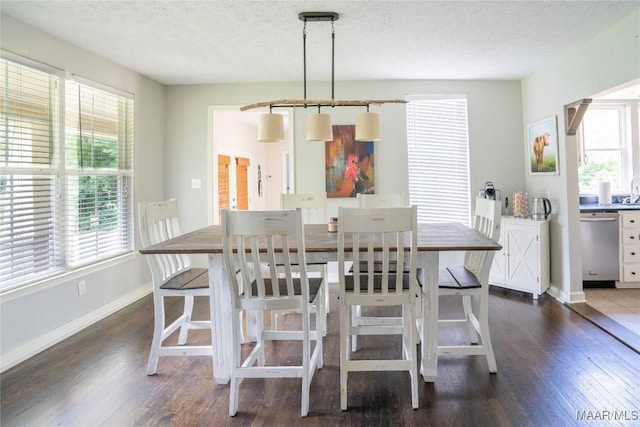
x=244 y=173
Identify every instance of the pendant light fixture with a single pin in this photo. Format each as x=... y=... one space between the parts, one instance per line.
x=271 y=127
x=368 y=126
x=319 y=127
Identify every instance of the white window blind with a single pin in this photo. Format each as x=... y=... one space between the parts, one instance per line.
x=438 y=150
x=64 y=178
x=29 y=183
x=98 y=152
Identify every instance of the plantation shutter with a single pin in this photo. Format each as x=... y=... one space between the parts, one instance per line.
x=438 y=150
x=242 y=183
x=98 y=159
x=223 y=184
x=29 y=183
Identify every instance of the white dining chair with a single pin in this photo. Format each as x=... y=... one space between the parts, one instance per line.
x=313 y=206
x=472 y=280
x=385 y=200
x=314 y=211
x=395 y=231
x=252 y=240
x=172 y=276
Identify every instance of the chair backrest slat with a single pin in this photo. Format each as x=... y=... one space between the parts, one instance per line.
x=388 y=200
x=487 y=222
x=159 y=221
x=386 y=237
x=313 y=206
x=265 y=246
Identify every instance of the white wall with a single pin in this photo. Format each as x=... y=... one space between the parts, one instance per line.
x=495 y=132
x=32 y=319
x=609 y=60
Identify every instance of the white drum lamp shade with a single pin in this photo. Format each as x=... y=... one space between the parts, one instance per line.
x=368 y=127
x=319 y=127
x=271 y=128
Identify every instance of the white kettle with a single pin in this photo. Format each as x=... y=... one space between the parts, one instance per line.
x=540 y=208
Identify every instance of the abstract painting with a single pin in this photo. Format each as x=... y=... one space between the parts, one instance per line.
x=349 y=164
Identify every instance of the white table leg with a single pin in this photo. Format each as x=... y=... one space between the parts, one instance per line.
x=220 y=305
x=429 y=347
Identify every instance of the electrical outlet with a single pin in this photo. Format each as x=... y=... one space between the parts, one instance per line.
x=82 y=287
x=196 y=183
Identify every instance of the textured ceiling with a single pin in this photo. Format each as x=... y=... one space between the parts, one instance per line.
x=187 y=42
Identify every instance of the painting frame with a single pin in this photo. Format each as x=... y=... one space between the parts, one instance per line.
x=542 y=147
x=349 y=164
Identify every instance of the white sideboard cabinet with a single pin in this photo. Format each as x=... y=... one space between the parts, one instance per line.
x=523 y=262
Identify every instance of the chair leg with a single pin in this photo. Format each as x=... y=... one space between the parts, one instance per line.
x=321 y=331
x=484 y=331
x=345 y=319
x=236 y=350
x=304 y=398
x=241 y=335
x=260 y=336
x=184 y=329
x=158 y=330
x=356 y=313
x=411 y=351
x=468 y=310
x=325 y=275
x=323 y=318
x=418 y=317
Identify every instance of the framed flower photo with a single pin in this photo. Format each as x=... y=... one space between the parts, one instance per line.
x=542 y=146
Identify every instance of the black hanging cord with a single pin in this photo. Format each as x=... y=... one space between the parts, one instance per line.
x=304 y=58
x=333 y=55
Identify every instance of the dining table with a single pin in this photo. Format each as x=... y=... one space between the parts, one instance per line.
x=321 y=246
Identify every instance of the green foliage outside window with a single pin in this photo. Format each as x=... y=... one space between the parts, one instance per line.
x=98 y=194
x=594 y=172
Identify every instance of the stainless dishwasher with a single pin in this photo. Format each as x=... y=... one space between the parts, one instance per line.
x=600 y=247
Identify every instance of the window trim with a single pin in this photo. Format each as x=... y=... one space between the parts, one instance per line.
x=629 y=143
x=56 y=273
x=463 y=213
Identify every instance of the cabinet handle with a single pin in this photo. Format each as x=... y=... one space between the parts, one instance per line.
x=632 y=221
x=633 y=273
x=633 y=237
x=633 y=253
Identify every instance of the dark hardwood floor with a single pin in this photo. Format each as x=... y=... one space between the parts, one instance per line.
x=554 y=368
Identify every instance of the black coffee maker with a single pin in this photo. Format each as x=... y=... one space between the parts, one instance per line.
x=489 y=192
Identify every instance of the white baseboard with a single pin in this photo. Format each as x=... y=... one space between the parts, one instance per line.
x=627 y=285
x=53 y=337
x=564 y=297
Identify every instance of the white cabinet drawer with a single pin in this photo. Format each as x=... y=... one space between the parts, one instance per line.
x=630 y=221
x=630 y=273
x=631 y=254
x=630 y=236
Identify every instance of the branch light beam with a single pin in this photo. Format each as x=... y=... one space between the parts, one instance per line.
x=318 y=125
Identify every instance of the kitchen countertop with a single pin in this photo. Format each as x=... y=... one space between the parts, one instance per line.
x=614 y=207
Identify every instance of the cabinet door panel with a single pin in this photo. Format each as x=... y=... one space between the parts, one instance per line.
x=523 y=264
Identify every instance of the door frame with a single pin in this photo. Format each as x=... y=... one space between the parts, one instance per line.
x=213 y=151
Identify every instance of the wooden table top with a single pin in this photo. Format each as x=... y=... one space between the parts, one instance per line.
x=431 y=237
